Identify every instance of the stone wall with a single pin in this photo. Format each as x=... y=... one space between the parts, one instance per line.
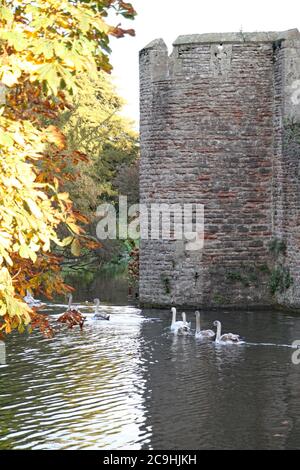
x=286 y=190
x=219 y=127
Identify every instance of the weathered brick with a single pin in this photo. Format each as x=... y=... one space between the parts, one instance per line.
x=216 y=128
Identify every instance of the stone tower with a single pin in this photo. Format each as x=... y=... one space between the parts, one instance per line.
x=220 y=126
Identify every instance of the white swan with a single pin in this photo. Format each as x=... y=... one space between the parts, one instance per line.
x=31 y=301
x=70 y=301
x=227 y=338
x=71 y=308
x=72 y=316
x=187 y=326
x=98 y=315
x=178 y=326
x=202 y=334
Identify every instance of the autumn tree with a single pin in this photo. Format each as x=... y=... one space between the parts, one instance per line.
x=95 y=126
x=45 y=47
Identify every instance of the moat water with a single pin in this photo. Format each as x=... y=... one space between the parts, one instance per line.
x=130 y=384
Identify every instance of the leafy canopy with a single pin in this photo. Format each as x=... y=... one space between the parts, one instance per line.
x=45 y=45
x=95 y=126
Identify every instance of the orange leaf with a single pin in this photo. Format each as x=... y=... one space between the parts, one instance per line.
x=56 y=137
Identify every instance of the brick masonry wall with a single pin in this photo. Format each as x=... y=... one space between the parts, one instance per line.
x=212 y=133
x=287 y=171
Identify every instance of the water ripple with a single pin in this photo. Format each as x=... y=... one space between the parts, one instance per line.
x=130 y=384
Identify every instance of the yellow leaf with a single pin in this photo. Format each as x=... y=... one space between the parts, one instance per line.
x=75 y=248
x=9 y=79
x=63 y=196
x=74 y=228
x=34 y=208
x=24 y=251
x=19 y=139
x=5 y=139
x=32 y=255
x=66 y=241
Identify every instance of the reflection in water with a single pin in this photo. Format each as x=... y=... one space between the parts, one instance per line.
x=110 y=289
x=129 y=384
x=227 y=397
x=2 y=353
x=78 y=390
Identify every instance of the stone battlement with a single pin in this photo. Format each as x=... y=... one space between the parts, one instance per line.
x=217 y=38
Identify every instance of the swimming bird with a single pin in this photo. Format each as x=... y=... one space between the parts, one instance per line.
x=98 y=315
x=31 y=301
x=187 y=325
x=178 y=326
x=202 y=334
x=70 y=301
x=72 y=317
x=227 y=338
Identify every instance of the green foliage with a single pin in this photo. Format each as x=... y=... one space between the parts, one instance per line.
x=292 y=132
x=78 y=274
x=94 y=125
x=89 y=269
x=264 y=268
x=280 y=280
x=127 y=181
x=166 y=283
x=245 y=279
x=277 y=246
x=234 y=276
x=219 y=299
x=114 y=268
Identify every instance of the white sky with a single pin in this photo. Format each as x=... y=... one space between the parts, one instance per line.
x=168 y=19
